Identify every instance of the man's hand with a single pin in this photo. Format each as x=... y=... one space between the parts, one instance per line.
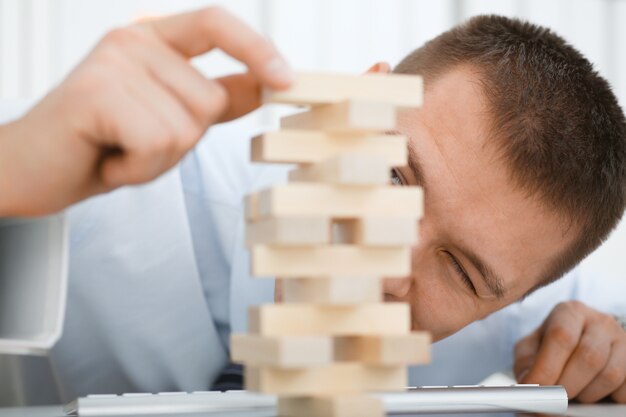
x=131 y=110
x=577 y=347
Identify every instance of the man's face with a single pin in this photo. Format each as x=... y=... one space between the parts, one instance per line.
x=483 y=241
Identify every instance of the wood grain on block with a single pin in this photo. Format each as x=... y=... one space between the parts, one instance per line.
x=282 y=351
x=320 y=88
x=345 y=117
x=312 y=199
x=408 y=349
x=349 y=405
x=287 y=319
x=323 y=380
x=333 y=290
x=301 y=146
x=289 y=231
x=376 y=231
x=330 y=261
x=352 y=168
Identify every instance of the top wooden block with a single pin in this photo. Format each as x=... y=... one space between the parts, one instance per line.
x=319 y=88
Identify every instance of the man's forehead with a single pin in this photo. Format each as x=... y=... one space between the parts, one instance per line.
x=455 y=108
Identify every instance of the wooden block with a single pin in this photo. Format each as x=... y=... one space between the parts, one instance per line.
x=351 y=169
x=251 y=206
x=408 y=349
x=330 y=261
x=319 y=88
x=376 y=231
x=301 y=146
x=349 y=405
x=289 y=231
x=313 y=199
x=325 y=319
x=325 y=380
x=333 y=290
x=345 y=117
x=283 y=352
x=381 y=231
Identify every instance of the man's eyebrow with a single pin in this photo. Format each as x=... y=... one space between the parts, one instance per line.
x=491 y=279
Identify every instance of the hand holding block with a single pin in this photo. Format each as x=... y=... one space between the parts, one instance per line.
x=345 y=117
x=333 y=320
x=289 y=231
x=301 y=146
x=408 y=349
x=331 y=406
x=312 y=199
x=283 y=352
x=333 y=290
x=350 y=169
x=318 y=88
x=330 y=261
x=325 y=380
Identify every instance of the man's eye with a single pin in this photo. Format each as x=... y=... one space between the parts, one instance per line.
x=395 y=177
x=462 y=274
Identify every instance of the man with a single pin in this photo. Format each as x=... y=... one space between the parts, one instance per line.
x=521 y=151
x=520 y=147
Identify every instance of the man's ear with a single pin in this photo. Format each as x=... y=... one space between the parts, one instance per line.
x=379 y=67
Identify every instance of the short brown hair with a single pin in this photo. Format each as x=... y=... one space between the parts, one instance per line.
x=555 y=121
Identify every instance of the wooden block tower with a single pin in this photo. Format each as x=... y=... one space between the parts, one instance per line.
x=331 y=234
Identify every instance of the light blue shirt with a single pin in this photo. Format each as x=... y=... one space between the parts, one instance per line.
x=159 y=277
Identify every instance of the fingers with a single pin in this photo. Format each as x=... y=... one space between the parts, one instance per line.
x=134 y=123
x=577 y=347
x=210 y=101
x=588 y=359
x=194 y=33
x=561 y=333
x=524 y=352
x=619 y=395
x=244 y=95
x=174 y=120
x=141 y=143
x=610 y=380
x=174 y=97
x=205 y=99
x=144 y=105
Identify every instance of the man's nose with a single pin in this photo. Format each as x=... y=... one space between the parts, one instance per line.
x=396 y=288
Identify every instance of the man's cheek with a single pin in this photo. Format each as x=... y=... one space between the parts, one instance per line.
x=438 y=311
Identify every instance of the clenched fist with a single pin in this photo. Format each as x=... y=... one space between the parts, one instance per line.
x=577 y=347
x=131 y=110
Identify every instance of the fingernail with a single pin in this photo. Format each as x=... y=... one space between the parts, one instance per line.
x=278 y=69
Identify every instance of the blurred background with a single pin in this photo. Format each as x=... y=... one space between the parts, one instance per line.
x=41 y=40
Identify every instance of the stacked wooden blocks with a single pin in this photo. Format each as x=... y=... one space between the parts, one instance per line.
x=331 y=234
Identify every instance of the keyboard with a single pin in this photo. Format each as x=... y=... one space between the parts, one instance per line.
x=419 y=400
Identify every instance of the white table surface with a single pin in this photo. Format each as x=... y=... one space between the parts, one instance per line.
x=574 y=410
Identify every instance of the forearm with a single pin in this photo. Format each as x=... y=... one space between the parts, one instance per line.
x=8 y=175
x=19 y=164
